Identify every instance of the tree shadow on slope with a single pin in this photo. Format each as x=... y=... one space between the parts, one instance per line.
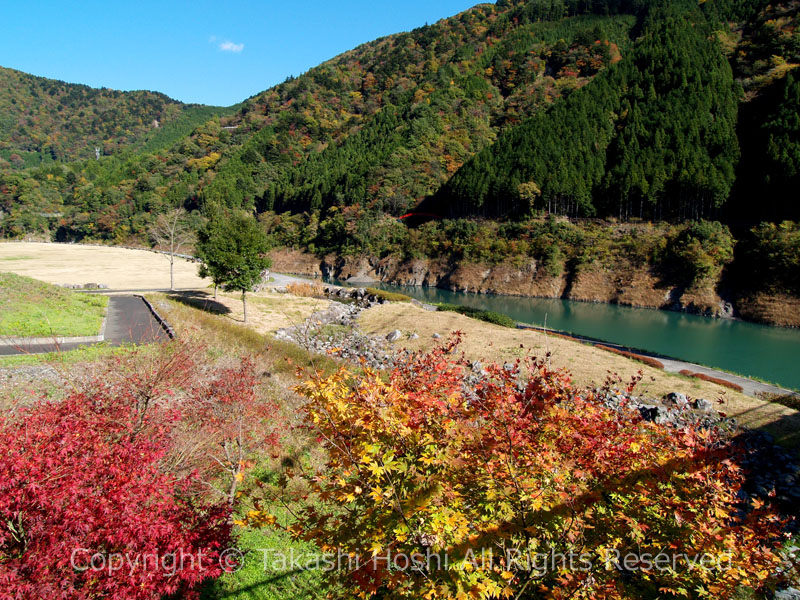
x=200 y=299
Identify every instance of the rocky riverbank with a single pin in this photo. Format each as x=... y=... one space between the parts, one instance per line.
x=626 y=284
x=334 y=331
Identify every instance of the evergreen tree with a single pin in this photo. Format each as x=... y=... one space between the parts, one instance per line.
x=652 y=136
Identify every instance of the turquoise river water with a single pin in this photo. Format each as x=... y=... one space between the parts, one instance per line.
x=768 y=353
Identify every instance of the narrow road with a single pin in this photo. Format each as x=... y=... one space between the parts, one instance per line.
x=42 y=348
x=750 y=387
x=128 y=321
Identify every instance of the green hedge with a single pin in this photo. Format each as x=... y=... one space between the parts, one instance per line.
x=483 y=315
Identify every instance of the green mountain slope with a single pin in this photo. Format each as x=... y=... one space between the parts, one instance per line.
x=607 y=108
x=655 y=136
x=44 y=120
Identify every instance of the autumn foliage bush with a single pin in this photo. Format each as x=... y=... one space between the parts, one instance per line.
x=109 y=492
x=76 y=481
x=313 y=289
x=712 y=379
x=519 y=485
x=648 y=360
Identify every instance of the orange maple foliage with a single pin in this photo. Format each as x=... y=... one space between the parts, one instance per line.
x=443 y=484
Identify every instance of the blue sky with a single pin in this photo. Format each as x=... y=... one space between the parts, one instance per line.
x=196 y=51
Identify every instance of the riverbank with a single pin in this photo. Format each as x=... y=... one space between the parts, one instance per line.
x=358 y=299
x=746 y=385
x=626 y=285
x=588 y=365
x=736 y=346
x=370 y=331
x=751 y=350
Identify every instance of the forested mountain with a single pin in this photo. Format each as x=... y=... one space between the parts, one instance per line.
x=381 y=126
x=386 y=124
x=45 y=120
x=608 y=108
x=654 y=136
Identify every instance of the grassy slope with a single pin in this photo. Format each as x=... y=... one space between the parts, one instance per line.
x=32 y=308
x=270 y=569
x=223 y=335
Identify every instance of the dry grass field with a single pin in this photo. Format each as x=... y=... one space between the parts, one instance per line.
x=588 y=365
x=266 y=311
x=125 y=269
x=118 y=268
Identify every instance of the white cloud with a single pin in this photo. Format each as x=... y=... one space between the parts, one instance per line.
x=228 y=46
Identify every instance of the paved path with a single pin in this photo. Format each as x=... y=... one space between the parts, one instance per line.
x=751 y=387
x=128 y=321
x=42 y=348
x=281 y=280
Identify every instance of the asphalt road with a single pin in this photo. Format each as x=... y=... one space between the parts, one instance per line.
x=128 y=321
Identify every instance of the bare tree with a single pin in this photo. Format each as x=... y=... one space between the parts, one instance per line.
x=171 y=233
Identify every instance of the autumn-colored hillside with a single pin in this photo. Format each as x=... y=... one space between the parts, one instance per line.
x=384 y=124
x=623 y=109
x=45 y=120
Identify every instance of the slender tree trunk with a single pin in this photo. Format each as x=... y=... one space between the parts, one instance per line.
x=233 y=486
x=171 y=272
x=244 y=305
x=215 y=291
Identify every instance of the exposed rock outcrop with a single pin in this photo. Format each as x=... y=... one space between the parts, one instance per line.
x=626 y=284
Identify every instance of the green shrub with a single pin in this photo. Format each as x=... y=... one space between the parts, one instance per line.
x=388 y=296
x=553 y=262
x=773 y=256
x=483 y=315
x=701 y=249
